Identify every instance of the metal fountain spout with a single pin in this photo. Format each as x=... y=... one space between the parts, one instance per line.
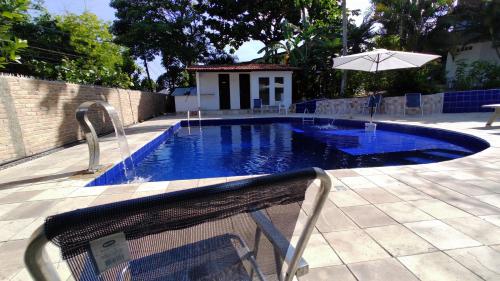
x=90 y=133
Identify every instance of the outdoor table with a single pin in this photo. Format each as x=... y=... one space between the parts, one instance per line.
x=495 y=114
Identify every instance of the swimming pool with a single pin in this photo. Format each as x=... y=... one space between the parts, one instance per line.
x=222 y=148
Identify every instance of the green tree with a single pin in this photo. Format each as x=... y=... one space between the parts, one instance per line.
x=11 y=12
x=74 y=48
x=410 y=20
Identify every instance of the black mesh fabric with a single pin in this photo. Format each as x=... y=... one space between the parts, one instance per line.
x=196 y=234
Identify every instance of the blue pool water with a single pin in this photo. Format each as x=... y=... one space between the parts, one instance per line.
x=248 y=149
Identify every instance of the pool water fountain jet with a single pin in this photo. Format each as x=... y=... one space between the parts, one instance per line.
x=93 y=141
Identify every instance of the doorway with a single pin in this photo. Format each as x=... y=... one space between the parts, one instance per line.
x=244 y=91
x=224 y=93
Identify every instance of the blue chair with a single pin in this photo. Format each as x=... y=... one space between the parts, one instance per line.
x=373 y=101
x=413 y=100
x=239 y=230
x=257 y=104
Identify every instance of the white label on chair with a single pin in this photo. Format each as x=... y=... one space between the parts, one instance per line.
x=110 y=251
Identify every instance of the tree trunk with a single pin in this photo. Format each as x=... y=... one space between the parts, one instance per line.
x=147 y=73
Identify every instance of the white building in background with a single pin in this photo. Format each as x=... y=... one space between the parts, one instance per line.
x=185 y=99
x=468 y=54
x=235 y=87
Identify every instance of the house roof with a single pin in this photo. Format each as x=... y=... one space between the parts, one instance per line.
x=184 y=91
x=242 y=67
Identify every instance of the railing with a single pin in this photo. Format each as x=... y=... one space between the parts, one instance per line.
x=306 y=119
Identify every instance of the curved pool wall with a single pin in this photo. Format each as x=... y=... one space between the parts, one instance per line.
x=467 y=141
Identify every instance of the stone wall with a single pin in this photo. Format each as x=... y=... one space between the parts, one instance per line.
x=38 y=115
x=390 y=105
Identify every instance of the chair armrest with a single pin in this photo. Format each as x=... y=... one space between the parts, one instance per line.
x=280 y=242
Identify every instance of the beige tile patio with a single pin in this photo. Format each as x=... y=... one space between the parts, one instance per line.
x=11 y=255
x=4 y=209
x=336 y=272
x=437 y=267
x=493 y=199
x=160 y=186
x=441 y=235
x=383 y=180
x=494 y=219
x=377 y=195
x=17 y=197
x=88 y=191
x=331 y=218
x=404 y=212
x=70 y=204
x=183 y=184
x=30 y=209
x=473 y=206
x=367 y=216
x=53 y=193
x=355 y=246
x=318 y=252
x=105 y=199
x=346 y=198
x=483 y=261
x=10 y=228
x=464 y=187
x=477 y=229
x=399 y=241
x=357 y=182
x=381 y=270
x=406 y=192
x=119 y=189
x=439 y=209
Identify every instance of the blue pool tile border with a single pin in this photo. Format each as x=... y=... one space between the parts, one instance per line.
x=114 y=172
x=470 y=101
x=473 y=143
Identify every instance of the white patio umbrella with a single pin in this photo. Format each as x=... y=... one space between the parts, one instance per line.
x=380 y=60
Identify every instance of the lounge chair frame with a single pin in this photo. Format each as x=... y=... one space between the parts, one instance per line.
x=41 y=269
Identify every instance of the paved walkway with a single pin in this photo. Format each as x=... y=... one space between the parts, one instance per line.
x=436 y=221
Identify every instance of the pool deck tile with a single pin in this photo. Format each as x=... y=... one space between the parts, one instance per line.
x=377 y=195
x=437 y=266
x=438 y=221
x=381 y=270
x=442 y=236
x=484 y=261
x=347 y=244
x=399 y=240
x=367 y=216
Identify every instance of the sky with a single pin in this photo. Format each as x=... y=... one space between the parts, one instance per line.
x=101 y=8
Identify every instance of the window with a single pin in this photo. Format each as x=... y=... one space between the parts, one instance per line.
x=264 y=90
x=279 y=89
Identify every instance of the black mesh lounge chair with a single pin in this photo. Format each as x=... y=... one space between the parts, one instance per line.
x=233 y=231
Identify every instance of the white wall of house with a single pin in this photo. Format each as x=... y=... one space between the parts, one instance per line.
x=234 y=89
x=185 y=103
x=470 y=53
x=208 y=88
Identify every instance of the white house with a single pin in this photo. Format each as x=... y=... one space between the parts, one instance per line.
x=468 y=54
x=225 y=87
x=185 y=99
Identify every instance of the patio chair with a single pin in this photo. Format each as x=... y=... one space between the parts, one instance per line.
x=413 y=100
x=238 y=230
x=257 y=104
x=373 y=101
x=282 y=107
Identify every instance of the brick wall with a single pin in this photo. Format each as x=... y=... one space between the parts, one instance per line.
x=38 y=115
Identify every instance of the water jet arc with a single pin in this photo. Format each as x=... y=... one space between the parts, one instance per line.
x=91 y=135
